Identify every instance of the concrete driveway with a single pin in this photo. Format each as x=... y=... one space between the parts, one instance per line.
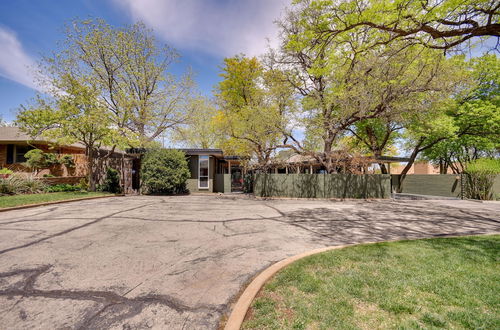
x=178 y=262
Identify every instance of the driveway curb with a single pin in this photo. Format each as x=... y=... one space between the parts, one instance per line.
x=243 y=304
x=55 y=202
x=241 y=307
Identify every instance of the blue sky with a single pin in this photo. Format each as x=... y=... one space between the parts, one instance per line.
x=203 y=31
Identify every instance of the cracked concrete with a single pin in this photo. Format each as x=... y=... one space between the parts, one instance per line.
x=177 y=262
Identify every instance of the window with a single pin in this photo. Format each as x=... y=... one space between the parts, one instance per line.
x=20 y=152
x=203 y=165
x=15 y=153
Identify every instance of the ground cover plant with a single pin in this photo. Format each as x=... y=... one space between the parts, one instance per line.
x=431 y=283
x=26 y=199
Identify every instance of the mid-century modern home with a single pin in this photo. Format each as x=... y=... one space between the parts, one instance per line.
x=211 y=170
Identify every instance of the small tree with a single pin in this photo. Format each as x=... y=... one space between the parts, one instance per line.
x=112 y=181
x=164 y=171
x=36 y=159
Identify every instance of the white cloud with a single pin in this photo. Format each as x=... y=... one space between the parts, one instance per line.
x=15 y=63
x=224 y=27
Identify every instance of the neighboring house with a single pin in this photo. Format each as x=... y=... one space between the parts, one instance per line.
x=419 y=167
x=14 y=144
x=308 y=164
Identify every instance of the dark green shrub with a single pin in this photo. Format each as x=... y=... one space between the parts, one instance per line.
x=67 y=160
x=164 y=171
x=36 y=159
x=480 y=177
x=62 y=187
x=112 y=181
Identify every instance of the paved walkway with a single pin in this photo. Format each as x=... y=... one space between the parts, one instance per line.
x=177 y=262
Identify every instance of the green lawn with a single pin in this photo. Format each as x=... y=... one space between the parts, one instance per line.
x=17 y=200
x=424 y=284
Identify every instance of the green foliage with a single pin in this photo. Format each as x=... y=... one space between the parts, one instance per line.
x=67 y=160
x=112 y=181
x=84 y=184
x=199 y=131
x=6 y=171
x=445 y=24
x=37 y=159
x=164 y=171
x=20 y=184
x=481 y=175
x=256 y=108
x=62 y=187
x=475 y=114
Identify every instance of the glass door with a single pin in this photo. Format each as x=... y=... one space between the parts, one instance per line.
x=203 y=165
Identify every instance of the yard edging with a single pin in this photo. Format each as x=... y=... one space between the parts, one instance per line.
x=27 y=206
x=243 y=303
x=245 y=300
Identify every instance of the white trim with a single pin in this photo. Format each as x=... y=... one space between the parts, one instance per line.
x=199 y=171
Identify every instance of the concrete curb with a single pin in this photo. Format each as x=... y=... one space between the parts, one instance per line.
x=27 y=206
x=243 y=304
x=241 y=307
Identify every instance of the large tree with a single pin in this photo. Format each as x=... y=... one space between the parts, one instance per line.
x=200 y=130
x=476 y=116
x=128 y=71
x=255 y=108
x=75 y=115
x=437 y=24
x=342 y=87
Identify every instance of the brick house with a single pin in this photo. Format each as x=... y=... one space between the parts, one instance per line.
x=14 y=144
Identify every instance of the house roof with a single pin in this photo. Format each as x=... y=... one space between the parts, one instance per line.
x=294 y=159
x=199 y=151
x=10 y=134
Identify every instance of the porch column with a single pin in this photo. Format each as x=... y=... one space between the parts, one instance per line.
x=228 y=167
x=286 y=169
x=310 y=169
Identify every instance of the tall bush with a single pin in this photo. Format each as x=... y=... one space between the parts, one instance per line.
x=112 y=181
x=481 y=176
x=36 y=159
x=164 y=171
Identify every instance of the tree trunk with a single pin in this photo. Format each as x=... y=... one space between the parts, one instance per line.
x=90 y=168
x=405 y=170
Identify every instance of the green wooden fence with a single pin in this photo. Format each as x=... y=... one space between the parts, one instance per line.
x=322 y=185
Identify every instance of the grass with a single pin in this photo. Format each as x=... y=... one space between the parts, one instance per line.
x=26 y=199
x=424 y=284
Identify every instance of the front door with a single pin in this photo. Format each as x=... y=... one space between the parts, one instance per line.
x=236 y=179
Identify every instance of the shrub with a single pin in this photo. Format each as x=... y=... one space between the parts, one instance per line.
x=112 y=181
x=63 y=187
x=67 y=160
x=5 y=171
x=37 y=159
x=480 y=177
x=19 y=184
x=164 y=171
